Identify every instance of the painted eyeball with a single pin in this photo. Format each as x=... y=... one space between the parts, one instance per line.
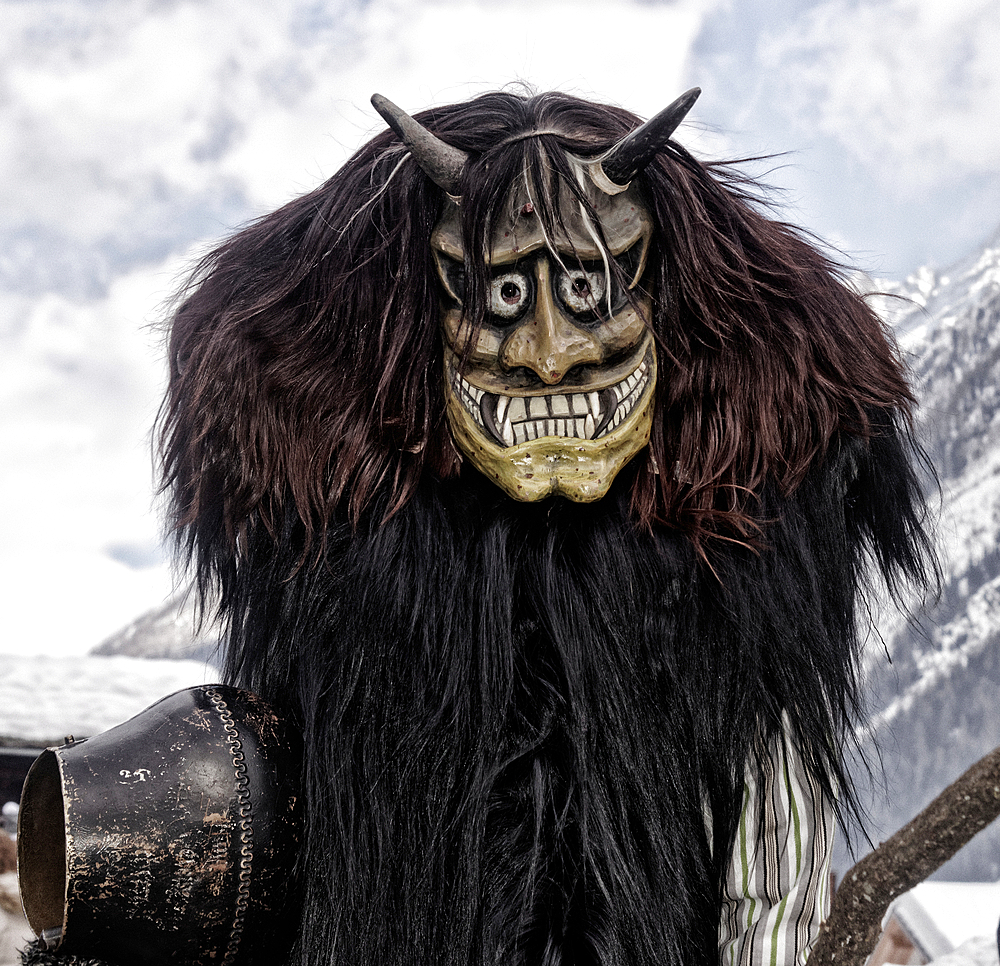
x=510 y=294
x=581 y=291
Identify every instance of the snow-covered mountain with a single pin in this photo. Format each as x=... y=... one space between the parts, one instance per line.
x=175 y=630
x=936 y=706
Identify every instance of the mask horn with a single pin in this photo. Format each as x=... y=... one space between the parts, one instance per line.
x=634 y=151
x=442 y=163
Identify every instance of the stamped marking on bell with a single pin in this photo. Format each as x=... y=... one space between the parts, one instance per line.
x=168 y=839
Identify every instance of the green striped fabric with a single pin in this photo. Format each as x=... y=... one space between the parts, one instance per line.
x=778 y=889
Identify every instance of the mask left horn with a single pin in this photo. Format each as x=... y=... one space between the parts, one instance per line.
x=442 y=163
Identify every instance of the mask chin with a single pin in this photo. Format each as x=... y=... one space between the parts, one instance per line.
x=579 y=469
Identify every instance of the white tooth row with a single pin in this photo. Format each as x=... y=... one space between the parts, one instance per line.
x=634 y=387
x=627 y=385
x=517 y=409
x=514 y=433
x=574 y=415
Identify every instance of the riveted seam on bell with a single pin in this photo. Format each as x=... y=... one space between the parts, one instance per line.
x=244 y=823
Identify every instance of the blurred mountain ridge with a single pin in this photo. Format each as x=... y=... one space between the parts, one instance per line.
x=173 y=630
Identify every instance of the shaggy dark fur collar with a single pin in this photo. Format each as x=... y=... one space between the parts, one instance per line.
x=514 y=715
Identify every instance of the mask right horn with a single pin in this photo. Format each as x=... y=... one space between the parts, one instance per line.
x=614 y=171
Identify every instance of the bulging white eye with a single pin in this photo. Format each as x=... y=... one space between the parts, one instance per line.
x=581 y=291
x=509 y=294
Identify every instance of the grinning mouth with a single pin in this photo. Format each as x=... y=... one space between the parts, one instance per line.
x=510 y=420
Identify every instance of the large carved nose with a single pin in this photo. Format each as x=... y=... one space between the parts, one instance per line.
x=547 y=342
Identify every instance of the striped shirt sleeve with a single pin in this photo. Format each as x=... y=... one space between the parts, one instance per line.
x=778 y=887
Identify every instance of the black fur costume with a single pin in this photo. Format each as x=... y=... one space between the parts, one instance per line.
x=509 y=753
x=514 y=714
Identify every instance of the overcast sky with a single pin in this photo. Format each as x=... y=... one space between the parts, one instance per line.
x=132 y=132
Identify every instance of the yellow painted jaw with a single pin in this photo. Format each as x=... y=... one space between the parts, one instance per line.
x=577 y=468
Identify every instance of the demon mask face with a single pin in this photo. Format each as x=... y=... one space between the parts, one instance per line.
x=553 y=392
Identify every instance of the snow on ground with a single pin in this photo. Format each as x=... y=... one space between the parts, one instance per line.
x=953 y=922
x=44 y=698
x=979 y=951
x=962 y=910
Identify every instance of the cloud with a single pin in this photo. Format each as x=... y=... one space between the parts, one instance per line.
x=139 y=128
x=909 y=87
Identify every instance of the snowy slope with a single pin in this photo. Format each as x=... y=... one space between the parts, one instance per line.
x=936 y=707
x=43 y=699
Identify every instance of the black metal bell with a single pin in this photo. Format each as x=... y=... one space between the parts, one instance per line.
x=167 y=840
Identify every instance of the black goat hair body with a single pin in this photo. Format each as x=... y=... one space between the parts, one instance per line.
x=516 y=715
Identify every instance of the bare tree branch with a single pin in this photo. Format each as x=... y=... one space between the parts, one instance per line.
x=919 y=848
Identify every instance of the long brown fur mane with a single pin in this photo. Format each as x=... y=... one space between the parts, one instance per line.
x=774 y=354
x=306 y=357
